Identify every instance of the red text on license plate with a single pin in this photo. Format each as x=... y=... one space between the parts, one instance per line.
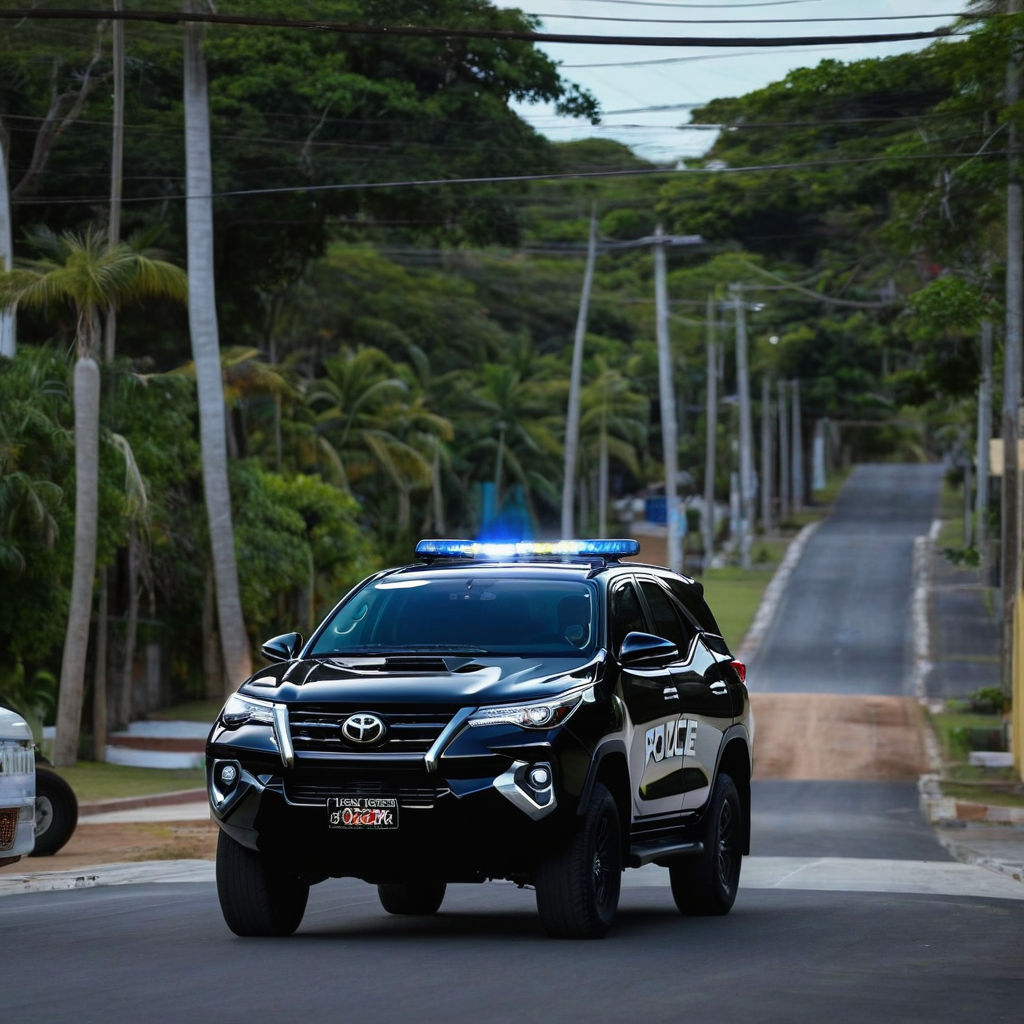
x=373 y=812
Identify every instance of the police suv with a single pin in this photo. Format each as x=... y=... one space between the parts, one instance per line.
x=540 y=712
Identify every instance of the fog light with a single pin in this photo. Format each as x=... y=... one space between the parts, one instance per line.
x=540 y=777
x=227 y=776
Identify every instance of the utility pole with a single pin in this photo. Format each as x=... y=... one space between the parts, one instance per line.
x=710 y=434
x=572 y=418
x=766 y=452
x=746 y=438
x=667 y=400
x=1013 y=676
x=783 y=454
x=797 y=448
x=984 y=433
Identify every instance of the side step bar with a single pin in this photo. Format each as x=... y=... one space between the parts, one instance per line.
x=645 y=852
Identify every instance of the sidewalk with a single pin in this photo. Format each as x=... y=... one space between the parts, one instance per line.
x=957 y=638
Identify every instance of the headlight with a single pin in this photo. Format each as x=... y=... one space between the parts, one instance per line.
x=538 y=714
x=244 y=710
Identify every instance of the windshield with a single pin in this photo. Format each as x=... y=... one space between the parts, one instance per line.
x=470 y=615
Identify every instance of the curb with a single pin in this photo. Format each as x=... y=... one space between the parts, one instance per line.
x=129 y=803
x=772 y=594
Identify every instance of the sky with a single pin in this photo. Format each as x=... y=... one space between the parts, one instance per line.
x=630 y=80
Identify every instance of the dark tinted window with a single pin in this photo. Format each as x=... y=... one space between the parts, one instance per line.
x=626 y=615
x=668 y=622
x=695 y=605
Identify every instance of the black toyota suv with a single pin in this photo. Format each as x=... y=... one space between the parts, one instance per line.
x=540 y=712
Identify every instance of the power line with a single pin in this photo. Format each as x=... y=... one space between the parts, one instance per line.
x=424 y=31
x=514 y=178
x=753 y=21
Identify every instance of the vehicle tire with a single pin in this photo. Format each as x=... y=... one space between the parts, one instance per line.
x=417 y=898
x=706 y=883
x=578 y=887
x=256 y=897
x=56 y=812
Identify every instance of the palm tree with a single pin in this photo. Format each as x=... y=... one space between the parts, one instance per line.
x=202 y=312
x=372 y=419
x=515 y=417
x=614 y=422
x=87 y=273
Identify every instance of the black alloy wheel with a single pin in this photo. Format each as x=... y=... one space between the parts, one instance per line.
x=706 y=884
x=578 y=887
x=257 y=898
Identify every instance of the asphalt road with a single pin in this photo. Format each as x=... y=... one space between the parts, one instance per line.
x=842 y=625
x=849 y=909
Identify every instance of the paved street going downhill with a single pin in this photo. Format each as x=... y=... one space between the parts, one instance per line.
x=842 y=625
x=849 y=909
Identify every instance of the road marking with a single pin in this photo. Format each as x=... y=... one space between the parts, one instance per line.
x=823 y=874
x=856 y=874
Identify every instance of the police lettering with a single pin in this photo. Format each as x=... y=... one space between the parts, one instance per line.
x=675 y=738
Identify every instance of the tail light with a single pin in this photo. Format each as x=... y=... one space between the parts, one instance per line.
x=741 y=670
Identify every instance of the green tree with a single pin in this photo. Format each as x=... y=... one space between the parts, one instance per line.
x=88 y=274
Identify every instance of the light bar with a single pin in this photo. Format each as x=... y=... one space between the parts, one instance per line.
x=526 y=548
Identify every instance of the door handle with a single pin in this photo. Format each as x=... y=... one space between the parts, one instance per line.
x=719 y=688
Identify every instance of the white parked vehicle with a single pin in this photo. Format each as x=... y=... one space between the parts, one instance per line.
x=17 y=787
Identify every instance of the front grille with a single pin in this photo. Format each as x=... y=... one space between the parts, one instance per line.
x=17 y=757
x=8 y=827
x=408 y=730
x=411 y=790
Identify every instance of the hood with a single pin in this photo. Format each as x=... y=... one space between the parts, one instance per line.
x=13 y=726
x=419 y=679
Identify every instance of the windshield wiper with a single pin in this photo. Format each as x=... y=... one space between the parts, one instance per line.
x=443 y=649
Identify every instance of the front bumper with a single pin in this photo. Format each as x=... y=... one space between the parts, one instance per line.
x=489 y=805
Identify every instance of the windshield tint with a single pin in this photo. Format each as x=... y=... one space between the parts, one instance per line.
x=471 y=615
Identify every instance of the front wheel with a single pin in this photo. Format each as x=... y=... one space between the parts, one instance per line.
x=415 y=898
x=56 y=812
x=706 y=884
x=257 y=897
x=578 y=887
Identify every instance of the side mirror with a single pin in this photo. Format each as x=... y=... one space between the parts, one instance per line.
x=282 y=648
x=642 y=649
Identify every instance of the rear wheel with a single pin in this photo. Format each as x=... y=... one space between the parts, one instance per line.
x=416 y=898
x=706 y=884
x=578 y=887
x=257 y=897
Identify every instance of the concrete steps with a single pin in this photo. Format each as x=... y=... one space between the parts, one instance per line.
x=159 y=745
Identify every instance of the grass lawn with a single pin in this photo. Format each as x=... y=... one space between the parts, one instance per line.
x=94 y=781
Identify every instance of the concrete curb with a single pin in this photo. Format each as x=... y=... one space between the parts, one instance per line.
x=773 y=594
x=128 y=803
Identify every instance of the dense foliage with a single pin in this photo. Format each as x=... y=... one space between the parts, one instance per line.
x=396 y=358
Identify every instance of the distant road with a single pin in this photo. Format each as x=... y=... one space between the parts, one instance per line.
x=843 y=623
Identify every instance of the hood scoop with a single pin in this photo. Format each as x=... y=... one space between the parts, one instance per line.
x=403 y=664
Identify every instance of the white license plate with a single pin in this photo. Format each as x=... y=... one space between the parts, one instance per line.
x=362 y=812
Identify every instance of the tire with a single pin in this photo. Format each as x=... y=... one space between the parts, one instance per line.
x=257 y=898
x=578 y=887
x=706 y=884
x=56 y=812
x=415 y=898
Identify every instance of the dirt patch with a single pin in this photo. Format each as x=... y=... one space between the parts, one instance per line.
x=797 y=736
x=135 y=841
x=826 y=736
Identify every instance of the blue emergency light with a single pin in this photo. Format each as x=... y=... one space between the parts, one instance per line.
x=616 y=548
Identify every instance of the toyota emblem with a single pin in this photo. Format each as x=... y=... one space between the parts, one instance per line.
x=362 y=728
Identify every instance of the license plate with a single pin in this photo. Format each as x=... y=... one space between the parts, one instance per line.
x=363 y=812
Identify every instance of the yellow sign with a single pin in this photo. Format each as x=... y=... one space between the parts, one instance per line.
x=995 y=456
